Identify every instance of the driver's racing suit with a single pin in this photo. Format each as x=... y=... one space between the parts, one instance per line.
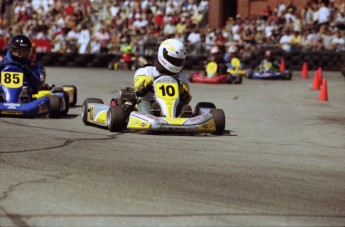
x=31 y=74
x=143 y=86
x=266 y=65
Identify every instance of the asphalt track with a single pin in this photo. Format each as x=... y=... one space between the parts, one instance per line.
x=281 y=162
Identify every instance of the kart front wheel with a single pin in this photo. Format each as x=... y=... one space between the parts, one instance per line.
x=219 y=119
x=203 y=107
x=85 y=108
x=115 y=118
x=54 y=103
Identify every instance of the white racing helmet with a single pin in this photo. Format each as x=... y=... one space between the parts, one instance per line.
x=232 y=49
x=171 y=55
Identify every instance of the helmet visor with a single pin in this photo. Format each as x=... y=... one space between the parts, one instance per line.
x=174 y=61
x=21 y=53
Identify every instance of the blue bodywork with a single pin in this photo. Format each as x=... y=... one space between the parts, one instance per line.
x=11 y=104
x=270 y=75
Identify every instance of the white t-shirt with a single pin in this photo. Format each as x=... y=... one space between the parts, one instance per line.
x=285 y=40
x=323 y=15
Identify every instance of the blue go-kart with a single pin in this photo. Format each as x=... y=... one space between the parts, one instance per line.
x=16 y=98
x=268 y=71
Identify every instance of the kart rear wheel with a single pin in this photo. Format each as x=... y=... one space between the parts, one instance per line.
x=115 y=118
x=219 y=119
x=75 y=94
x=201 y=106
x=228 y=78
x=238 y=79
x=287 y=75
x=85 y=110
x=249 y=73
x=66 y=98
x=54 y=103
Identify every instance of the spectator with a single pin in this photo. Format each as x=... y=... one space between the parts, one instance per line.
x=285 y=41
x=324 y=14
x=306 y=41
x=72 y=39
x=338 y=42
x=83 y=39
x=103 y=38
x=296 y=41
x=194 y=43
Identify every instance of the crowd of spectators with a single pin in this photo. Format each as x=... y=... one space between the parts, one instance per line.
x=103 y=26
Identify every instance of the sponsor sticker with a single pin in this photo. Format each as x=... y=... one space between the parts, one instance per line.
x=11 y=105
x=11 y=112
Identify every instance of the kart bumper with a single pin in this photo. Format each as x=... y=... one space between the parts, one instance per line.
x=146 y=122
x=36 y=108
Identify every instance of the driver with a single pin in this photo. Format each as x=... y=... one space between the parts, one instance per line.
x=170 y=61
x=268 y=64
x=217 y=57
x=20 y=48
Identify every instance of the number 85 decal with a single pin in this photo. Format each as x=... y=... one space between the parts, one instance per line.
x=12 y=79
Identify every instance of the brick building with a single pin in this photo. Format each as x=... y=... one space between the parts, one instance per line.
x=221 y=10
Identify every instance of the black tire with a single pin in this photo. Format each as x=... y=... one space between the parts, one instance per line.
x=66 y=97
x=85 y=108
x=115 y=118
x=238 y=79
x=200 y=105
x=54 y=105
x=228 y=78
x=249 y=73
x=219 y=119
x=289 y=76
x=75 y=94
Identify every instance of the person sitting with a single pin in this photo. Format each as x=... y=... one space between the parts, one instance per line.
x=19 y=51
x=170 y=61
x=216 y=56
x=127 y=56
x=231 y=54
x=268 y=64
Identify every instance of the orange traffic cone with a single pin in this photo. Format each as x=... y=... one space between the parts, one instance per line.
x=316 y=81
x=304 y=74
x=282 y=65
x=320 y=75
x=323 y=93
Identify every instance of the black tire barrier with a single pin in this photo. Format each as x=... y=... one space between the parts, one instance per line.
x=328 y=60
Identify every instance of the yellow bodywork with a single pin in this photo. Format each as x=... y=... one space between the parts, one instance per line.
x=209 y=126
x=211 y=69
x=138 y=123
x=101 y=117
x=236 y=67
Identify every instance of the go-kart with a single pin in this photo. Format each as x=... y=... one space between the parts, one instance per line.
x=16 y=98
x=236 y=70
x=268 y=71
x=231 y=77
x=122 y=113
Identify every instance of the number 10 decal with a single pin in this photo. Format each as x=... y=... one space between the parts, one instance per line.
x=167 y=91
